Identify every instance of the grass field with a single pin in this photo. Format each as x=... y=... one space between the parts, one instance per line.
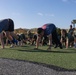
x=65 y=58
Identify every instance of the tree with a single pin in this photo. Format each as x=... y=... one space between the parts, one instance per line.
x=73 y=22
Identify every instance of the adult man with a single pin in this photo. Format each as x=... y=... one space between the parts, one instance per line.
x=7 y=26
x=48 y=30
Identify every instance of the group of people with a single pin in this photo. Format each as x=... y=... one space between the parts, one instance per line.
x=68 y=38
x=48 y=30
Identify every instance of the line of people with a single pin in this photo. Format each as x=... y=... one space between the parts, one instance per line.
x=48 y=30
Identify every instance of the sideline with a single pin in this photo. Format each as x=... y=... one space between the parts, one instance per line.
x=57 y=68
x=24 y=67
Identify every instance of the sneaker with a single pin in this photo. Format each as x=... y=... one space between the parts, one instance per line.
x=60 y=46
x=56 y=46
x=11 y=46
x=49 y=49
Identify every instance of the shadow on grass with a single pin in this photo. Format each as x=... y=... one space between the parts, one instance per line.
x=32 y=50
x=71 y=49
x=51 y=51
x=24 y=46
x=57 y=68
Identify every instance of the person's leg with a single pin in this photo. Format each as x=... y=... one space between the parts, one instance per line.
x=67 y=43
x=8 y=35
x=56 y=39
x=50 y=42
x=11 y=30
x=14 y=35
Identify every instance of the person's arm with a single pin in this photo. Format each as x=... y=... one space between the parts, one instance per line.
x=67 y=42
x=37 y=41
x=50 y=41
x=61 y=39
x=1 y=39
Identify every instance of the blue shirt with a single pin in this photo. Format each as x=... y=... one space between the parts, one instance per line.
x=48 y=28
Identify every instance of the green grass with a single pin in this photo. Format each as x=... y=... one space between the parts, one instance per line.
x=65 y=58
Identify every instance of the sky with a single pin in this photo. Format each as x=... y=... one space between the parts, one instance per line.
x=35 y=13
